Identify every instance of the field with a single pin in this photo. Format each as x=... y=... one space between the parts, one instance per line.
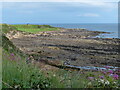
x=21 y=67
x=35 y=28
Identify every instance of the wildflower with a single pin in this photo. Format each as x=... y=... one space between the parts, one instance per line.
x=110 y=71
x=90 y=78
x=89 y=84
x=54 y=75
x=115 y=82
x=104 y=72
x=107 y=67
x=12 y=54
x=115 y=76
x=101 y=81
x=101 y=77
x=28 y=58
x=118 y=70
x=107 y=82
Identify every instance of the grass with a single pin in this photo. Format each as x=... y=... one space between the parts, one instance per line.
x=72 y=79
x=7 y=28
x=35 y=28
x=18 y=74
x=27 y=28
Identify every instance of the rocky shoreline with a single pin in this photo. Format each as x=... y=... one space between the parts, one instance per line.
x=71 y=46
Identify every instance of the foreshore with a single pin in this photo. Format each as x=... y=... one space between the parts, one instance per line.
x=72 y=46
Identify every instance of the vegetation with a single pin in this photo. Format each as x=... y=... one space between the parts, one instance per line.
x=18 y=73
x=7 y=28
x=35 y=28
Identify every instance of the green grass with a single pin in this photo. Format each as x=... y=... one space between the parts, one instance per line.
x=17 y=74
x=72 y=79
x=6 y=28
x=35 y=28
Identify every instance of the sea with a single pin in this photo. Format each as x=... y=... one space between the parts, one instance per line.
x=106 y=27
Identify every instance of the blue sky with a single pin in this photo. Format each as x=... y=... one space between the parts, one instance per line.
x=59 y=12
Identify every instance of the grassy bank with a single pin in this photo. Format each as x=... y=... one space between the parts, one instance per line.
x=17 y=73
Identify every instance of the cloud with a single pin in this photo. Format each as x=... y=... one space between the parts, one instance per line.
x=89 y=15
x=26 y=5
x=71 y=4
x=58 y=6
x=61 y=1
x=102 y=4
x=107 y=5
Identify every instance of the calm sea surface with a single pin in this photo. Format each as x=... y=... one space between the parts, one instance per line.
x=113 y=28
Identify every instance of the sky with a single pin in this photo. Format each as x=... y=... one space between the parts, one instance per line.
x=64 y=11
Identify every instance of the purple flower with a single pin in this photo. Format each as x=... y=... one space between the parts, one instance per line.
x=12 y=54
x=118 y=70
x=104 y=72
x=110 y=71
x=90 y=78
x=115 y=76
x=101 y=77
x=107 y=67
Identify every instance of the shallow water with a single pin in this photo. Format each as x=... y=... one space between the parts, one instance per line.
x=93 y=68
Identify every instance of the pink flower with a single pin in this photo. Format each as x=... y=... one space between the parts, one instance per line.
x=101 y=77
x=12 y=54
x=104 y=72
x=90 y=78
x=110 y=71
x=115 y=76
x=107 y=67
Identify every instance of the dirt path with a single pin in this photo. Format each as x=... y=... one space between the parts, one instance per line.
x=72 y=46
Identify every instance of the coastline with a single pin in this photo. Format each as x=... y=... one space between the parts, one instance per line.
x=74 y=46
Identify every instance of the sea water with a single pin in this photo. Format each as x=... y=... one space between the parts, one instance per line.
x=105 y=27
